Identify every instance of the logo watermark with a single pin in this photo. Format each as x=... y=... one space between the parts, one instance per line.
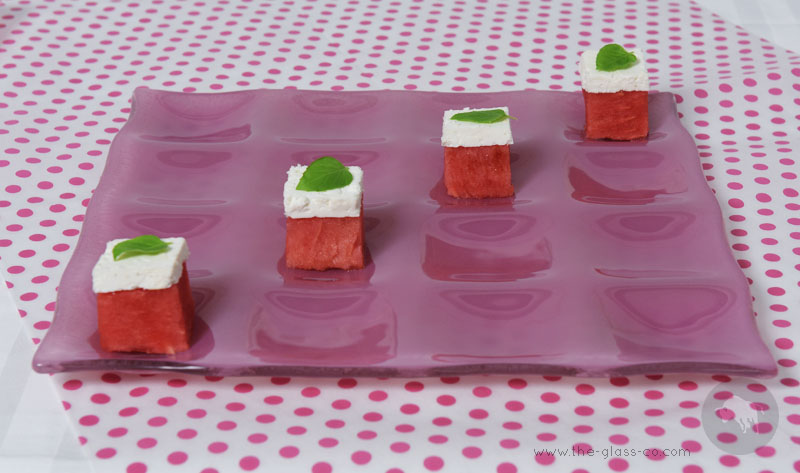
x=740 y=416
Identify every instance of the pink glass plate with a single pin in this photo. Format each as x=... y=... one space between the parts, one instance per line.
x=610 y=260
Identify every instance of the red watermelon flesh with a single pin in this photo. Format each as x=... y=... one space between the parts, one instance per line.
x=321 y=243
x=478 y=171
x=147 y=320
x=616 y=116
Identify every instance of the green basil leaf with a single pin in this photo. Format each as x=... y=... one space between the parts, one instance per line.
x=324 y=174
x=613 y=57
x=482 y=116
x=141 y=245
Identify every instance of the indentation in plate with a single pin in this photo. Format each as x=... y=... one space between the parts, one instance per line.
x=341 y=328
x=201 y=106
x=664 y=309
x=458 y=101
x=333 y=103
x=587 y=189
x=186 y=225
x=494 y=305
x=625 y=160
x=332 y=279
x=646 y=226
x=180 y=202
x=624 y=177
x=489 y=325
x=227 y=135
x=359 y=158
x=480 y=246
x=193 y=159
x=328 y=142
x=646 y=273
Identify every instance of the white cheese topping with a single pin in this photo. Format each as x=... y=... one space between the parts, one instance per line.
x=456 y=133
x=140 y=272
x=631 y=79
x=337 y=203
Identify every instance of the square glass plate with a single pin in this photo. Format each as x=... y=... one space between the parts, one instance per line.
x=611 y=258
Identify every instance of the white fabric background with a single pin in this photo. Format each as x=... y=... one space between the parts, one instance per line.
x=36 y=440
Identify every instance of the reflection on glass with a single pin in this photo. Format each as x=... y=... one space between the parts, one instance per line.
x=647 y=226
x=330 y=328
x=483 y=247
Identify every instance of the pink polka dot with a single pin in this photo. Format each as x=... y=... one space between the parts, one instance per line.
x=328 y=442
x=226 y=425
x=289 y=451
x=128 y=411
x=265 y=418
x=692 y=446
x=136 y=467
x=506 y=467
x=619 y=402
x=273 y=400
x=100 y=398
x=187 y=434
x=378 y=395
x=478 y=414
x=89 y=420
x=176 y=383
x=690 y=422
x=217 y=447
x=361 y=457
x=257 y=438
x=72 y=384
x=147 y=442
x=249 y=463
x=117 y=432
x=111 y=378
x=654 y=430
x=347 y=383
x=106 y=453
x=515 y=406
x=157 y=421
x=517 y=383
x=167 y=401
x=321 y=467
x=618 y=464
x=433 y=463
x=550 y=397
x=177 y=458
x=244 y=388
x=471 y=452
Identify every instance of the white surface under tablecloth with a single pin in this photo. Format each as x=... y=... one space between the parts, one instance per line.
x=35 y=436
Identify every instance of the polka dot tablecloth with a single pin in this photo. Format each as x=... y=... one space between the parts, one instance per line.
x=67 y=70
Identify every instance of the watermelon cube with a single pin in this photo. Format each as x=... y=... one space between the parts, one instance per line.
x=144 y=302
x=477 y=157
x=321 y=243
x=615 y=101
x=616 y=116
x=478 y=172
x=324 y=228
x=147 y=320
